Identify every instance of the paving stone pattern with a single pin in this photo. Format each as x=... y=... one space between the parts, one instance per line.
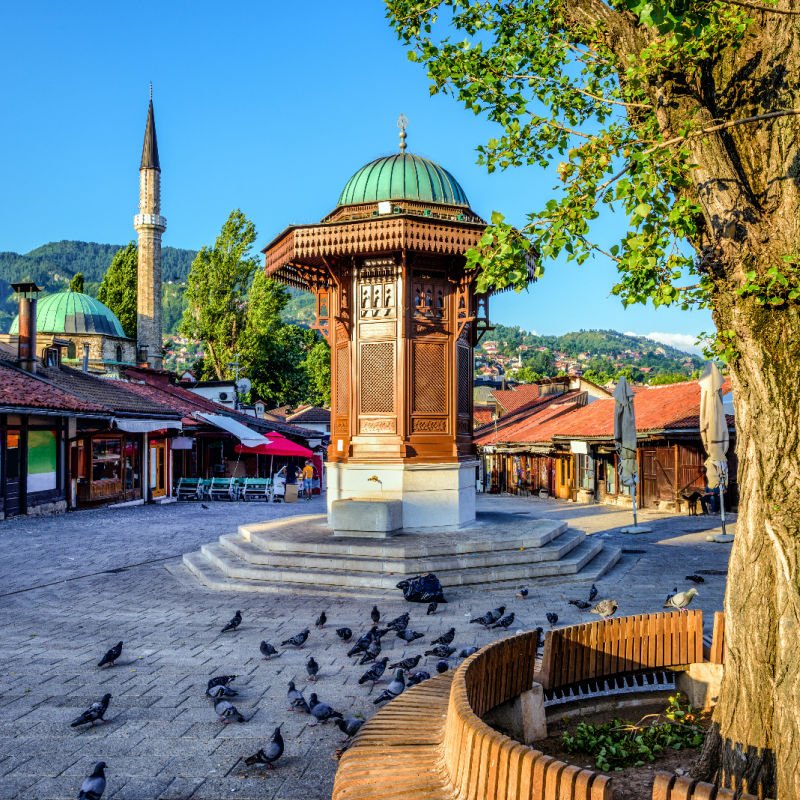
x=72 y=586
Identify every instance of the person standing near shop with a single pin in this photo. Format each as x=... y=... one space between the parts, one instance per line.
x=308 y=479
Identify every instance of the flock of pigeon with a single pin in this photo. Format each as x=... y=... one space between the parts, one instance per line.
x=365 y=651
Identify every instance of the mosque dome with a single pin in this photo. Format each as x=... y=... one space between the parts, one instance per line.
x=403 y=177
x=73 y=312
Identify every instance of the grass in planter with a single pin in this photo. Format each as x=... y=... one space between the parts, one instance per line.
x=618 y=744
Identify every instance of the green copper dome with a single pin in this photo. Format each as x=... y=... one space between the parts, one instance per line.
x=403 y=177
x=73 y=312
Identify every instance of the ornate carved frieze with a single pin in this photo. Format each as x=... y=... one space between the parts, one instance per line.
x=383 y=425
x=429 y=425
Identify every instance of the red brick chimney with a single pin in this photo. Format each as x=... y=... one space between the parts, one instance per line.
x=27 y=294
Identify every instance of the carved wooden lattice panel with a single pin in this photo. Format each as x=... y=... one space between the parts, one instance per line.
x=464 y=378
x=430 y=378
x=342 y=387
x=377 y=378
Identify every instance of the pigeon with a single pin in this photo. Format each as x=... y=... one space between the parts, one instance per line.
x=372 y=652
x=374 y=673
x=442 y=666
x=431 y=608
x=605 y=608
x=539 y=637
x=394 y=689
x=267 y=650
x=235 y=622
x=399 y=623
x=227 y=712
x=581 y=604
x=375 y=614
x=345 y=634
x=93 y=787
x=441 y=651
x=523 y=593
x=406 y=663
x=417 y=677
x=204 y=506
x=94 y=713
x=298 y=640
x=467 y=652
x=505 y=622
x=364 y=641
x=681 y=599
x=269 y=756
x=349 y=727
x=696 y=578
x=296 y=700
x=220 y=692
x=445 y=638
x=322 y=712
x=221 y=680
x=552 y=618
x=321 y=620
x=312 y=668
x=111 y=656
x=490 y=617
x=409 y=636
x=592 y=593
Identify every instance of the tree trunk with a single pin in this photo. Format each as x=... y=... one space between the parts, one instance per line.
x=754 y=744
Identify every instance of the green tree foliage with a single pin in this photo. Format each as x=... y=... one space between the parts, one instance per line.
x=118 y=288
x=216 y=293
x=527 y=374
x=318 y=370
x=77 y=282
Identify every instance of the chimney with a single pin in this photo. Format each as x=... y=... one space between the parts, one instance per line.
x=85 y=364
x=27 y=294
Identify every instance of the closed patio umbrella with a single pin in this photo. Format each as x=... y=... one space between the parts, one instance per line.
x=714 y=433
x=625 y=440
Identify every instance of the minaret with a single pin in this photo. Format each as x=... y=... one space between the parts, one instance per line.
x=149 y=225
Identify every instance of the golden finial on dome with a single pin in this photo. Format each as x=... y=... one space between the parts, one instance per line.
x=402 y=123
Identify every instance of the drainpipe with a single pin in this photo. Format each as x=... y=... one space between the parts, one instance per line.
x=85 y=365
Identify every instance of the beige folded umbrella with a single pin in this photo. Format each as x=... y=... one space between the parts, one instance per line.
x=625 y=438
x=714 y=432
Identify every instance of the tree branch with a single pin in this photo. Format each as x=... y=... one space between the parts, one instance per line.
x=764 y=9
x=597 y=97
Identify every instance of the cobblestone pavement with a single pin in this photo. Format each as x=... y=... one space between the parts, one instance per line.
x=72 y=586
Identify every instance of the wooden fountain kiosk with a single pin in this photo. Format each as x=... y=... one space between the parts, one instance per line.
x=399 y=309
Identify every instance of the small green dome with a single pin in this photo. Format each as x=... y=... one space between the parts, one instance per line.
x=73 y=312
x=403 y=177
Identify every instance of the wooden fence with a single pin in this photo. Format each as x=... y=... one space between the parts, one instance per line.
x=671 y=787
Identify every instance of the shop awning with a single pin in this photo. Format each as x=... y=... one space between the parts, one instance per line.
x=145 y=425
x=247 y=436
x=279 y=446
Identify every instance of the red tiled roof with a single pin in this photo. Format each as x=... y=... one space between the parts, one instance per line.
x=511 y=399
x=22 y=390
x=309 y=414
x=482 y=414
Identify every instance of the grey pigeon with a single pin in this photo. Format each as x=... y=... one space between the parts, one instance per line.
x=345 y=634
x=204 y=506
x=681 y=599
x=269 y=756
x=581 y=604
x=312 y=668
x=394 y=689
x=349 y=727
x=467 y=652
x=523 y=593
x=490 y=617
x=374 y=673
x=364 y=641
x=505 y=622
x=696 y=578
x=298 y=640
x=94 y=713
x=441 y=651
x=552 y=618
x=322 y=712
x=399 y=623
x=406 y=663
x=407 y=635
x=431 y=608
x=296 y=700
x=235 y=622
x=375 y=614
x=445 y=638
x=227 y=712
x=93 y=787
x=221 y=680
x=267 y=650
x=111 y=656
x=605 y=608
x=417 y=677
x=442 y=666
x=321 y=620
x=373 y=651
x=220 y=692
x=592 y=593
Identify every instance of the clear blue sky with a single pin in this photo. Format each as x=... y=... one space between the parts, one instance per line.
x=264 y=106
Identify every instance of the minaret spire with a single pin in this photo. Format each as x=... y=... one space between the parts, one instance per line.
x=402 y=123
x=150 y=146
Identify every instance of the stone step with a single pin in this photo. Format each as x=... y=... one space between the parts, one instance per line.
x=345 y=560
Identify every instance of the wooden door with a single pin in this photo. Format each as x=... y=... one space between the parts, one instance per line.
x=649 y=496
x=158 y=467
x=12 y=471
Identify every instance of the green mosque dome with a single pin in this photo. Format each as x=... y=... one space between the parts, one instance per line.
x=403 y=177
x=73 y=312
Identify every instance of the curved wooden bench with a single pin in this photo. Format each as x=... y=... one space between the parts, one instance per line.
x=671 y=787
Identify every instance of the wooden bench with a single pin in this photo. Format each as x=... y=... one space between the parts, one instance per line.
x=189 y=489
x=255 y=488
x=714 y=648
x=671 y=787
